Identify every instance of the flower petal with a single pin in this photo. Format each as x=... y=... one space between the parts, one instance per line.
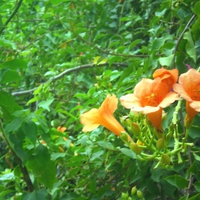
x=156 y=119
x=90 y=120
x=166 y=74
x=169 y=99
x=195 y=105
x=109 y=104
x=180 y=90
x=190 y=81
x=130 y=101
x=146 y=109
x=102 y=116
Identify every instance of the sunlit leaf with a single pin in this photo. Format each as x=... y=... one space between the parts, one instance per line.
x=14 y=64
x=190 y=48
x=46 y=104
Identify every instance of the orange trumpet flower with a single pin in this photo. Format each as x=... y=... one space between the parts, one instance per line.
x=168 y=77
x=102 y=116
x=189 y=89
x=149 y=97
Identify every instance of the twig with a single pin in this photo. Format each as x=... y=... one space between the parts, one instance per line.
x=67 y=71
x=180 y=37
x=11 y=16
x=191 y=175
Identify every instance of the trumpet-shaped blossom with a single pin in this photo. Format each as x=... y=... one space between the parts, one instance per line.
x=189 y=89
x=102 y=116
x=149 y=97
x=169 y=77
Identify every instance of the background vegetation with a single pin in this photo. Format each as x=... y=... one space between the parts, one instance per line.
x=59 y=58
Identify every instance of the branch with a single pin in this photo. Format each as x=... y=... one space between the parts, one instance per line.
x=23 y=168
x=67 y=71
x=108 y=52
x=11 y=16
x=180 y=38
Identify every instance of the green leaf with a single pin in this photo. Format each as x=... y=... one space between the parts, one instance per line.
x=105 y=144
x=177 y=181
x=97 y=155
x=14 y=64
x=184 y=198
x=93 y=186
x=128 y=152
x=10 y=76
x=55 y=156
x=7 y=176
x=134 y=43
x=30 y=131
x=195 y=197
x=45 y=104
x=197 y=186
x=197 y=8
x=14 y=125
x=43 y=167
x=7 y=101
x=197 y=157
x=166 y=61
x=36 y=195
x=1 y=23
x=190 y=49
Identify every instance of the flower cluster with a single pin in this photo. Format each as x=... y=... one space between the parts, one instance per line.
x=149 y=98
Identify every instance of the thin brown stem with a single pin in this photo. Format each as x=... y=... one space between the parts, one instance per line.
x=24 y=170
x=180 y=38
x=190 y=176
x=67 y=71
x=11 y=16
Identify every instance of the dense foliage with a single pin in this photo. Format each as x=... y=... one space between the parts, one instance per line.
x=59 y=59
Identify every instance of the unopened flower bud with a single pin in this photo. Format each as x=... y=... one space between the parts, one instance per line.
x=135 y=148
x=140 y=143
x=134 y=115
x=135 y=128
x=124 y=136
x=96 y=85
x=110 y=85
x=165 y=159
x=98 y=78
x=133 y=190
x=160 y=143
x=124 y=195
x=139 y=194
